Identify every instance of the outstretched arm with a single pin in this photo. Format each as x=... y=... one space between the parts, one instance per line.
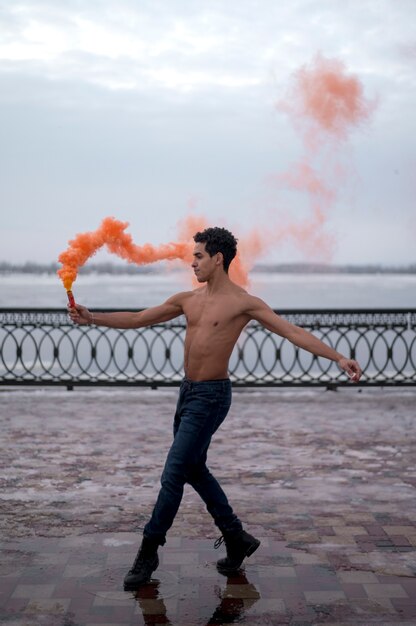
x=261 y=312
x=125 y=319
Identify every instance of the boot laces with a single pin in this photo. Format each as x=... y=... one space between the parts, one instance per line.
x=219 y=542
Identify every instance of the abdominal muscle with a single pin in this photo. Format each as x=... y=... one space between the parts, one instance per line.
x=207 y=355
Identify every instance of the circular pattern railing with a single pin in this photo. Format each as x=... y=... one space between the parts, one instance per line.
x=43 y=347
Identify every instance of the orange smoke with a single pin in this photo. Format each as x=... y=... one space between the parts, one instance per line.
x=325 y=99
x=111 y=234
x=189 y=226
x=303 y=177
x=324 y=104
x=250 y=247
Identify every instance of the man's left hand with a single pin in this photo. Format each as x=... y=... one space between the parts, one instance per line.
x=351 y=367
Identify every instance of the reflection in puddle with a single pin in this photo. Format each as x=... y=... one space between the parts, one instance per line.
x=238 y=596
x=235 y=598
x=160 y=600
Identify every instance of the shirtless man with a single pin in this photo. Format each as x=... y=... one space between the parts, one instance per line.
x=216 y=313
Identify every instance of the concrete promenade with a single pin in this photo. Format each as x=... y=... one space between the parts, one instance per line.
x=327 y=481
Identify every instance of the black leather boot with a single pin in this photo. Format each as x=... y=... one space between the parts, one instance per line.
x=239 y=545
x=144 y=565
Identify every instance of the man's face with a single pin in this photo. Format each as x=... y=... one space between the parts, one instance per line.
x=203 y=264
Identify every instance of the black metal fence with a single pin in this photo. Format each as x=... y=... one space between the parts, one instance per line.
x=42 y=347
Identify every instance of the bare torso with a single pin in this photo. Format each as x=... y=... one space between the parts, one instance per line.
x=214 y=323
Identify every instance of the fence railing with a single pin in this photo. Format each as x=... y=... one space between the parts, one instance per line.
x=43 y=347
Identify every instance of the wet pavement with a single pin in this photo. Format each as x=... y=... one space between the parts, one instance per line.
x=326 y=480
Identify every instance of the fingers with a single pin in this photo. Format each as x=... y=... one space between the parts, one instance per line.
x=352 y=368
x=73 y=314
x=354 y=371
x=77 y=314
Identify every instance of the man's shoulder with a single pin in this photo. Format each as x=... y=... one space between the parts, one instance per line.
x=250 y=303
x=180 y=297
x=242 y=294
x=241 y=301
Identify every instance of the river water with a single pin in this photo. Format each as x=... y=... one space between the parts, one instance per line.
x=279 y=290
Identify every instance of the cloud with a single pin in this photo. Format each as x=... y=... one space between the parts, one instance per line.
x=143 y=47
x=188 y=47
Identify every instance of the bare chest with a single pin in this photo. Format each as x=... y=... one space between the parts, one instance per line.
x=210 y=314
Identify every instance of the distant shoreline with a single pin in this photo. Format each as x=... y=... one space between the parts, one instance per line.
x=277 y=268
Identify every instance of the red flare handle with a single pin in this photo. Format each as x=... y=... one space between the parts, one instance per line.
x=71 y=298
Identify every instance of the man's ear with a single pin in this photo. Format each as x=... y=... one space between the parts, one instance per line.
x=220 y=259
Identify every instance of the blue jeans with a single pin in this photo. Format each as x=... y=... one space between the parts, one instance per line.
x=201 y=409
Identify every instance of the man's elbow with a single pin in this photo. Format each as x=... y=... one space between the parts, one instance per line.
x=295 y=334
x=137 y=320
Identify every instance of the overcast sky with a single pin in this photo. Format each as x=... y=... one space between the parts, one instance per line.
x=149 y=111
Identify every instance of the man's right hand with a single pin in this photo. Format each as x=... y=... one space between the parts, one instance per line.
x=80 y=314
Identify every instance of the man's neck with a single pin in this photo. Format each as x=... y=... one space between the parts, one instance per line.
x=218 y=282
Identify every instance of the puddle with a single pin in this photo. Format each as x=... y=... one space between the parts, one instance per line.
x=111 y=579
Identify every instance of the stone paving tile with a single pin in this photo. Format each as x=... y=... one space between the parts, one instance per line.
x=324 y=597
x=357 y=577
x=50 y=606
x=308 y=591
x=37 y=591
x=380 y=590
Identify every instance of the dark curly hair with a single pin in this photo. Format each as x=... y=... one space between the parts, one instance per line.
x=218 y=240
